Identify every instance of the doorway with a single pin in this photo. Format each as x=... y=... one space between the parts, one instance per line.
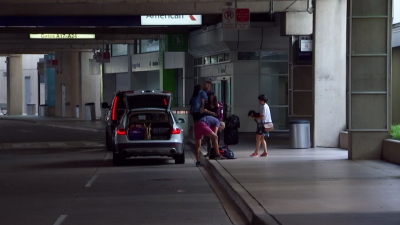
x=62 y=100
x=27 y=95
x=221 y=86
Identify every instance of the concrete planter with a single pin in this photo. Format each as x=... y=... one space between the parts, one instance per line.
x=391 y=151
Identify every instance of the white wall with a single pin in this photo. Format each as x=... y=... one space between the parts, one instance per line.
x=90 y=85
x=146 y=80
x=245 y=90
x=122 y=82
x=29 y=68
x=396 y=11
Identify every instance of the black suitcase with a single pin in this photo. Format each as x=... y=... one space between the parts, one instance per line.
x=231 y=136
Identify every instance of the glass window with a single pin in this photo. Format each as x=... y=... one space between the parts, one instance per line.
x=206 y=60
x=119 y=49
x=274 y=67
x=227 y=56
x=221 y=58
x=214 y=59
x=275 y=55
x=248 y=55
x=149 y=45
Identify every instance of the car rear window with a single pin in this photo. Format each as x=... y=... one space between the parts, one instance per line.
x=147 y=101
x=120 y=101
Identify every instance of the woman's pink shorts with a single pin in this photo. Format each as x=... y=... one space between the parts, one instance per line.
x=201 y=129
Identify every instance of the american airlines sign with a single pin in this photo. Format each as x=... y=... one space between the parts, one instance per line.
x=170 y=20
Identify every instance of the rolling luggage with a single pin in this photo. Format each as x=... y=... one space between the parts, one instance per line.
x=231 y=136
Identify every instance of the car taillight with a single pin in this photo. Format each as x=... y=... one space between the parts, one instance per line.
x=121 y=132
x=176 y=131
x=165 y=102
x=114 y=107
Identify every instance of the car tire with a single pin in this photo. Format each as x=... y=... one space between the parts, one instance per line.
x=180 y=159
x=118 y=160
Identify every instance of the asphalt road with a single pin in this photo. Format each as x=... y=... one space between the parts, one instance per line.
x=18 y=132
x=73 y=186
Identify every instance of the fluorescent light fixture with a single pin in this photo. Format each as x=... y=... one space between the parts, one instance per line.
x=62 y=36
x=171 y=20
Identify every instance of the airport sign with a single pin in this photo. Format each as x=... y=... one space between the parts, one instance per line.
x=62 y=36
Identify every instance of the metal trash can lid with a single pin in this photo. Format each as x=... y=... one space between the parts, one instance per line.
x=299 y=122
x=90 y=103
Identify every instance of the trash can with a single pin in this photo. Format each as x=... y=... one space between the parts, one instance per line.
x=31 y=109
x=90 y=113
x=43 y=110
x=104 y=111
x=300 y=134
x=77 y=111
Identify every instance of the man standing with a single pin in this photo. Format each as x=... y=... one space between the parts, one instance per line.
x=207 y=126
x=207 y=87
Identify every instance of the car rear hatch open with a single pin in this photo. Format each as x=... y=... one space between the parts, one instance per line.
x=148 y=101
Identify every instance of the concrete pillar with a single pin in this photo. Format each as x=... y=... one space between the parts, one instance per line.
x=370 y=25
x=329 y=71
x=75 y=82
x=14 y=85
x=396 y=86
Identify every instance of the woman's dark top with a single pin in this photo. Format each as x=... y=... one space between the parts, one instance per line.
x=214 y=110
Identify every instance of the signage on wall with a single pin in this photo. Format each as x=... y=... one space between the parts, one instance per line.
x=135 y=65
x=102 y=57
x=62 y=36
x=235 y=19
x=51 y=63
x=306 y=45
x=154 y=63
x=242 y=19
x=228 y=19
x=171 y=20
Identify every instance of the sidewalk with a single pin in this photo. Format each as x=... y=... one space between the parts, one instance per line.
x=68 y=123
x=309 y=186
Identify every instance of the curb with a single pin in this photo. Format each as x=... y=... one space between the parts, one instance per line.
x=255 y=214
x=100 y=130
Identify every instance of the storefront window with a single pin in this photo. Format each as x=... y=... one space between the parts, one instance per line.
x=227 y=56
x=149 y=45
x=214 y=59
x=119 y=49
x=248 y=56
x=275 y=55
x=274 y=66
x=207 y=60
x=221 y=58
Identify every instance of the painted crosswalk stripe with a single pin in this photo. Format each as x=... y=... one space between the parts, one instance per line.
x=90 y=182
x=60 y=220
x=107 y=157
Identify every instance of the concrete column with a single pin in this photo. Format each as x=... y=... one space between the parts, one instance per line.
x=329 y=71
x=370 y=25
x=14 y=85
x=75 y=82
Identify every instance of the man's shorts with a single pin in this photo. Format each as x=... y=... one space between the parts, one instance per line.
x=261 y=130
x=201 y=129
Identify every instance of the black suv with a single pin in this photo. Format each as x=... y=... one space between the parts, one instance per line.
x=117 y=110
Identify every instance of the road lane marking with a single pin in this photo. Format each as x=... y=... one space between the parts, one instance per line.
x=107 y=157
x=90 y=182
x=60 y=220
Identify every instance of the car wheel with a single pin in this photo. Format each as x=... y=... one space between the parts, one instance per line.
x=118 y=160
x=180 y=159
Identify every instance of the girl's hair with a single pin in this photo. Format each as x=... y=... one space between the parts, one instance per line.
x=213 y=98
x=263 y=98
x=196 y=91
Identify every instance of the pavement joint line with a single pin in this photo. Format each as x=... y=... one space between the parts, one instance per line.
x=249 y=206
x=60 y=220
x=90 y=182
